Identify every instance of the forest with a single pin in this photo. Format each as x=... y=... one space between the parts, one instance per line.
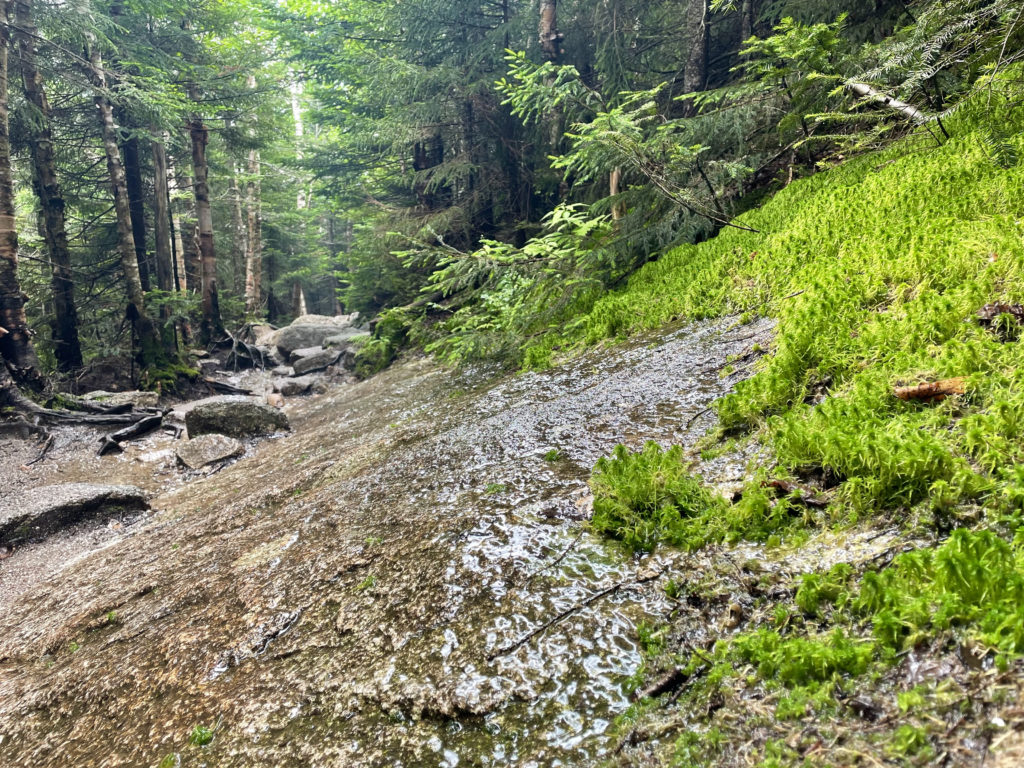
x=482 y=172
x=571 y=382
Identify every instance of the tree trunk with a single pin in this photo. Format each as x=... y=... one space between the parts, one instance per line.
x=614 y=187
x=15 y=343
x=66 y=346
x=239 y=234
x=188 y=233
x=162 y=220
x=253 y=240
x=550 y=38
x=136 y=206
x=695 y=75
x=150 y=348
x=211 y=327
x=746 y=19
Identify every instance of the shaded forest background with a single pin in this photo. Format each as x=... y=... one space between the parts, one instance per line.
x=479 y=171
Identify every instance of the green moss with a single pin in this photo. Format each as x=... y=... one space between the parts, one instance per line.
x=645 y=498
x=373 y=357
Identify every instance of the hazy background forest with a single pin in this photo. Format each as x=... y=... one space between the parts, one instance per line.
x=485 y=169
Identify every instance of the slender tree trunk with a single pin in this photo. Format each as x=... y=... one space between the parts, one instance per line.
x=211 y=327
x=239 y=234
x=746 y=19
x=150 y=348
x=614 y=187
x=136 y=206
x=66 y=346
x=695 y=75
x=188 y=233
x=162 y=220
x=253 y=239
x=15 y=342
x=298 y=300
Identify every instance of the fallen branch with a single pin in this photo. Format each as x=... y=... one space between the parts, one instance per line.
x=668 y=682
x=46 y=447
x=932 y=390
x=515 y=646
x=224 y=388
x=112 y=443
x=557 y=560
x=907 y=110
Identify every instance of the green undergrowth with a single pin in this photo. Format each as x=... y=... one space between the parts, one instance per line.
x=875 y=271
x=831 y=653
x=649 y=497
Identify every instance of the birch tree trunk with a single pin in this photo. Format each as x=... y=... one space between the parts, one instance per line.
x=239 y=234
x=187 y=232
x=211 y=327
x=253 y=239
x=66 y=346
x=150 y=348
x=15 y=343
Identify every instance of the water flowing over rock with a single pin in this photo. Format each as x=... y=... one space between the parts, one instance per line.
x=342 y=595
x=239 y=417
x=208 y=449
x=44 y=511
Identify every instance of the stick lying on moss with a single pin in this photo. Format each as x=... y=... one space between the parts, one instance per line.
x=932 y=390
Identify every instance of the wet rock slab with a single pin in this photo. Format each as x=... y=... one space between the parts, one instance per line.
x=204 y=450
x=238 y=417
x=43 y=511
x=135 y=399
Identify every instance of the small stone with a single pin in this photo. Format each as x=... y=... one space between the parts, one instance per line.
x=296 y=386
x=208 y=449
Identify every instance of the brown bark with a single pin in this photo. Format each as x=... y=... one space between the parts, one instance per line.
x=187 y=232
x=253 y=239
x=614 y=187
x=66 y=346
x=15 y=342
x=150 y=347
x=162 y=220
x=211 y=327
x=695 y=74
x=136 y=206
x=932 y=390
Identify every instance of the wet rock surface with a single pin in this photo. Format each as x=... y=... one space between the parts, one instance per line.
x=342 y=597
x=237 y=417
x=43 y=511
x=208 y=449
x=316 y=361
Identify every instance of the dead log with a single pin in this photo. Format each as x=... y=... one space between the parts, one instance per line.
x=223 y=388
x=112 y=443
x=907 y=110
x=932 y=391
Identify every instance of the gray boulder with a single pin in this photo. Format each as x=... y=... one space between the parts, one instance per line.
x=297 y=386
x=43 y=511
x=239 y=417
x=208 y=449
x=316 y=362
x=298 y=354
x=282 y=370
x=344 y=337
